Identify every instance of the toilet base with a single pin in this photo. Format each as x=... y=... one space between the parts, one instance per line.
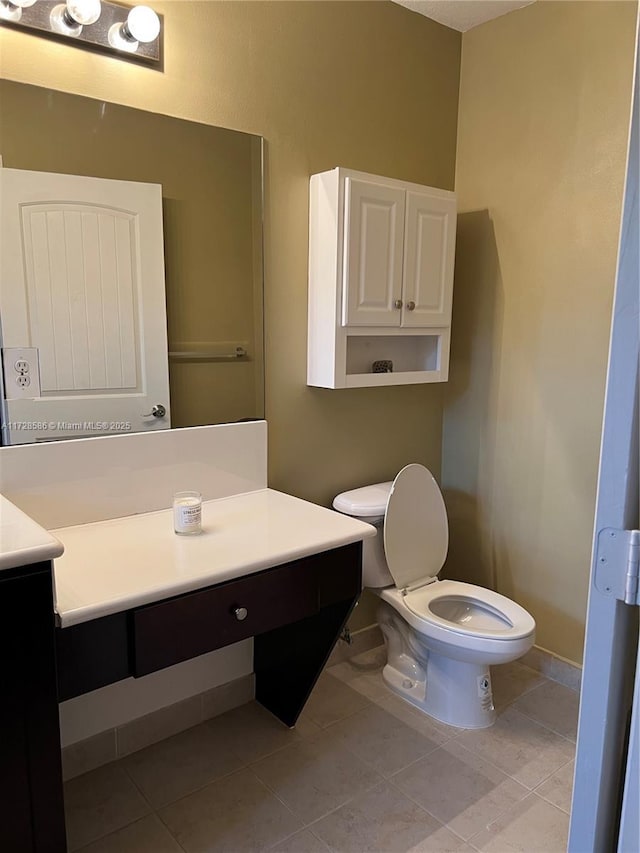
x=451 y=691
x=456 y=693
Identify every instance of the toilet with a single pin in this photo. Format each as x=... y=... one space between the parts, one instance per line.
x=441 y=636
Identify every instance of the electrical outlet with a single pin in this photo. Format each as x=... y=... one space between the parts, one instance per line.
x=21 y=372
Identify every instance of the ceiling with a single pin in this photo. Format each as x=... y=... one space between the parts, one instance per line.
x=462 y=15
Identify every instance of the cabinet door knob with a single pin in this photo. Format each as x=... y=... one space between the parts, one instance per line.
x=240 y=613
x=397 y=303
x=411 y=306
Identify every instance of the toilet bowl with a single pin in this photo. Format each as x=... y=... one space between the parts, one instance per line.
x=441 y=636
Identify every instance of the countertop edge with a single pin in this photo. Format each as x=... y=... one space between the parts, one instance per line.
x=28 y=542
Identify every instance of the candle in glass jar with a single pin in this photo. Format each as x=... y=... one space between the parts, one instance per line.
x=187 y=513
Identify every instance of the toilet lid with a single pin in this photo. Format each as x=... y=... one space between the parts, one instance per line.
x=416 y=532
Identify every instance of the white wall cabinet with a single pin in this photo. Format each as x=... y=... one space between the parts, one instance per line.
x=381 y=255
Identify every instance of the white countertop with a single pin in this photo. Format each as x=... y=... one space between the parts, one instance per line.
x=22 y=540
x=109 y=566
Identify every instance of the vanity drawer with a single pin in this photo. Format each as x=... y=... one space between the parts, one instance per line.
x=193 y=624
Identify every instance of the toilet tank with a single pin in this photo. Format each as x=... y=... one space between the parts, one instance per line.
x=369 y=504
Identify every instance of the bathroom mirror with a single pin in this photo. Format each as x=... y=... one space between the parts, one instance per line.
x=212 y=196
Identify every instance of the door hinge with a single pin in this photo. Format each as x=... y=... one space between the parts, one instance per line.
x=618 y=564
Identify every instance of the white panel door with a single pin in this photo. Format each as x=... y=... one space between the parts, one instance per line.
x=430 y=238
x=82 y=306
x=373 y=243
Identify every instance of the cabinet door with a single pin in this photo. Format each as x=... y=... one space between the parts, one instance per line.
x=430 y=234
x=373 y=243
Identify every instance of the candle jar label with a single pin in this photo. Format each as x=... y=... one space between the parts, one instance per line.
x=187 y=513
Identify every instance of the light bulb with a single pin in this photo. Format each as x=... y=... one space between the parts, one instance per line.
x=118 y=40
x=143 y=23
x=68 y=18
x=11 y=10
x=84 y=11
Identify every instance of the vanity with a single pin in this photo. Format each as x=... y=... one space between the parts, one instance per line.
x=266 y=565
x=94 y=603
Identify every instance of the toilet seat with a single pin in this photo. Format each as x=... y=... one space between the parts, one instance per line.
x=470 y=611
x=416 y=539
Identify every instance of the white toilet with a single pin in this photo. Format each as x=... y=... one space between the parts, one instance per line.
x=441 y=636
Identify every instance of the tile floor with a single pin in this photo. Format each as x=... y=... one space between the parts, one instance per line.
x=362 y=772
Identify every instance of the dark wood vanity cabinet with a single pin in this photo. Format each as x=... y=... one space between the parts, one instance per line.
x=295 y=612
x=31 y=799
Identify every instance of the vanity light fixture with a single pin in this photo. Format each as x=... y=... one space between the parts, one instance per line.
x=130 y=33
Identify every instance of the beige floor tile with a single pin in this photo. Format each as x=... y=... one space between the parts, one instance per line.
x=381 y=740
x=253 y=732
x=384 y=820
x=512 y=680
x=363 y=672
x=553 y=705
x=181 y=764
x=147 y=835
x=417 y=720
x=305 y=726
x=315 y=776
x=99 y=803
x=557 y=789
x=302 y=842
x=236 y=814
x=520 y=747
x=531 y=826
x=332 y=700
x=459 y=788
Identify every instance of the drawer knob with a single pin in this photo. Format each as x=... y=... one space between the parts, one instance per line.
x=397 y=303
x=240 y=613
x=411 y=305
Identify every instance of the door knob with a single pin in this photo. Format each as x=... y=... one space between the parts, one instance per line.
x=157 y=411
x=411 y=306
x=397 y=303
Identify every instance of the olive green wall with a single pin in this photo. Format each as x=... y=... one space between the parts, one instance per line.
x=544 y=112
x=366 y=85
x=210 y=185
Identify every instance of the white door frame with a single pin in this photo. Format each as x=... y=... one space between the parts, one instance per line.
x=612 y=626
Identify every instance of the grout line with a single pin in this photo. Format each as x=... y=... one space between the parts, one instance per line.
x=447 y=825
x=337 y=808
x=547 y=800
x=197 y=790
x=426 y=810
x=545 y=725
x=168 y=828
x=280 y=800
x=138 y=788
